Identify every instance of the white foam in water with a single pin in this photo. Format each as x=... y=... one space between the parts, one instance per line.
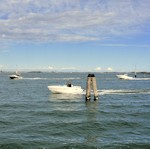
x=123 y=92
x=103 y=92
x=37 y=78
x=142 y=79
x=67 y=78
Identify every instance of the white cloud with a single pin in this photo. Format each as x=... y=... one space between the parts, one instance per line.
x=68 y=68
x=58 y=68
x=1 y=66
x=50 y=67
x=75 y=20
x=109 y=69
x=98 y=69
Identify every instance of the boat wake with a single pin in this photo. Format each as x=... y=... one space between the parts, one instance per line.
x=111 y=91
x=100 y=93
x=38 y=78
x=120 y=92
x=139 y=79
x=105 y=92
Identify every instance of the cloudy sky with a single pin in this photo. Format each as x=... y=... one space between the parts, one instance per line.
x=75 y=35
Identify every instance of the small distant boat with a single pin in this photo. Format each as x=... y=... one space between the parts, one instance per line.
x=15 y=76
x=124 y=77
x=66 y=89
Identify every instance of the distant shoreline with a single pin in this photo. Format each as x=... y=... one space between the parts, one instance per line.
x=24 y=71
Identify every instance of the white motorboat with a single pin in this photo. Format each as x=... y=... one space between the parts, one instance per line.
x=65 y=89
x=15 y=76
x=124 y=77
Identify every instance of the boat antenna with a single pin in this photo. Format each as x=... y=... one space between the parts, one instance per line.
x=135 y=72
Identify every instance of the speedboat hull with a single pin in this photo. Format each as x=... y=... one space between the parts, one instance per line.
x=15 y=77
x=65 y=89
x=124 y=77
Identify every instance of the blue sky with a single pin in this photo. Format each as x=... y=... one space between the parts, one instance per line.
x=75 y=35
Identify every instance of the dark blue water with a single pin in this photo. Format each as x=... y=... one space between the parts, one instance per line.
x=31 y=117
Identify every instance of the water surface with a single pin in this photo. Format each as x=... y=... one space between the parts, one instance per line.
x=32 y=117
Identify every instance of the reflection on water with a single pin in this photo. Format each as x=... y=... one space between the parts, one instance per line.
x=64 y=96
x=92 y=123
x=92 y=106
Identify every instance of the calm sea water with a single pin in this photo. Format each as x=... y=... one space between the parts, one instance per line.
x=31 y=117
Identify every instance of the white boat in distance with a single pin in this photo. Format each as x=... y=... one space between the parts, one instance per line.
x=65 y=89
x=15 y=76
x=124 y=77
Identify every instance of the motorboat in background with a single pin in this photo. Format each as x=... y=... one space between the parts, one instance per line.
x=15 y=76
x=124 y=77
x=66 y=89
